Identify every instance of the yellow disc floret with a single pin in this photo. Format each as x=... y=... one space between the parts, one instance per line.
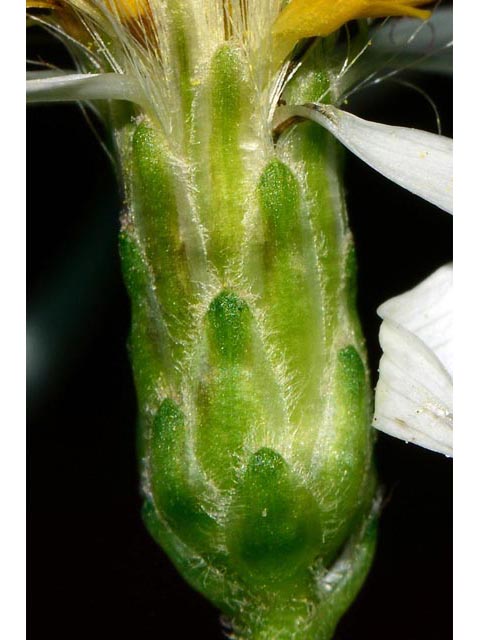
x=308 y=18
x=41 y=4
x=128 y=9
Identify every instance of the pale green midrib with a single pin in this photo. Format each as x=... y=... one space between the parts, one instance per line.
x=183 y=42
x=152 y=310
x=317 y=151
x=314 y=84
x=221 y=174
x=174 y=325
x=156 y=317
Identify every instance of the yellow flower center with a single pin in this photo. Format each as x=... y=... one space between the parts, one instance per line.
x=308 y=18
x=41 y=4
x=300 y=18
x=127 y=9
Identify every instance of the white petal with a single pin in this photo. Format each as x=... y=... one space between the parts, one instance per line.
x=59 y=87
x=427 y=312
x=416 y=160
x=413 y=398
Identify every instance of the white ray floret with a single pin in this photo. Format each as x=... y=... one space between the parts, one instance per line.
x=419 y=161
x=413 y=398
x=61 y=87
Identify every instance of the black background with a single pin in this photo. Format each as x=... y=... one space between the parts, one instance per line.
x=94 y=572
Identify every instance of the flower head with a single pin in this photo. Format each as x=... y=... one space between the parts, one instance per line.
x=248 y=356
